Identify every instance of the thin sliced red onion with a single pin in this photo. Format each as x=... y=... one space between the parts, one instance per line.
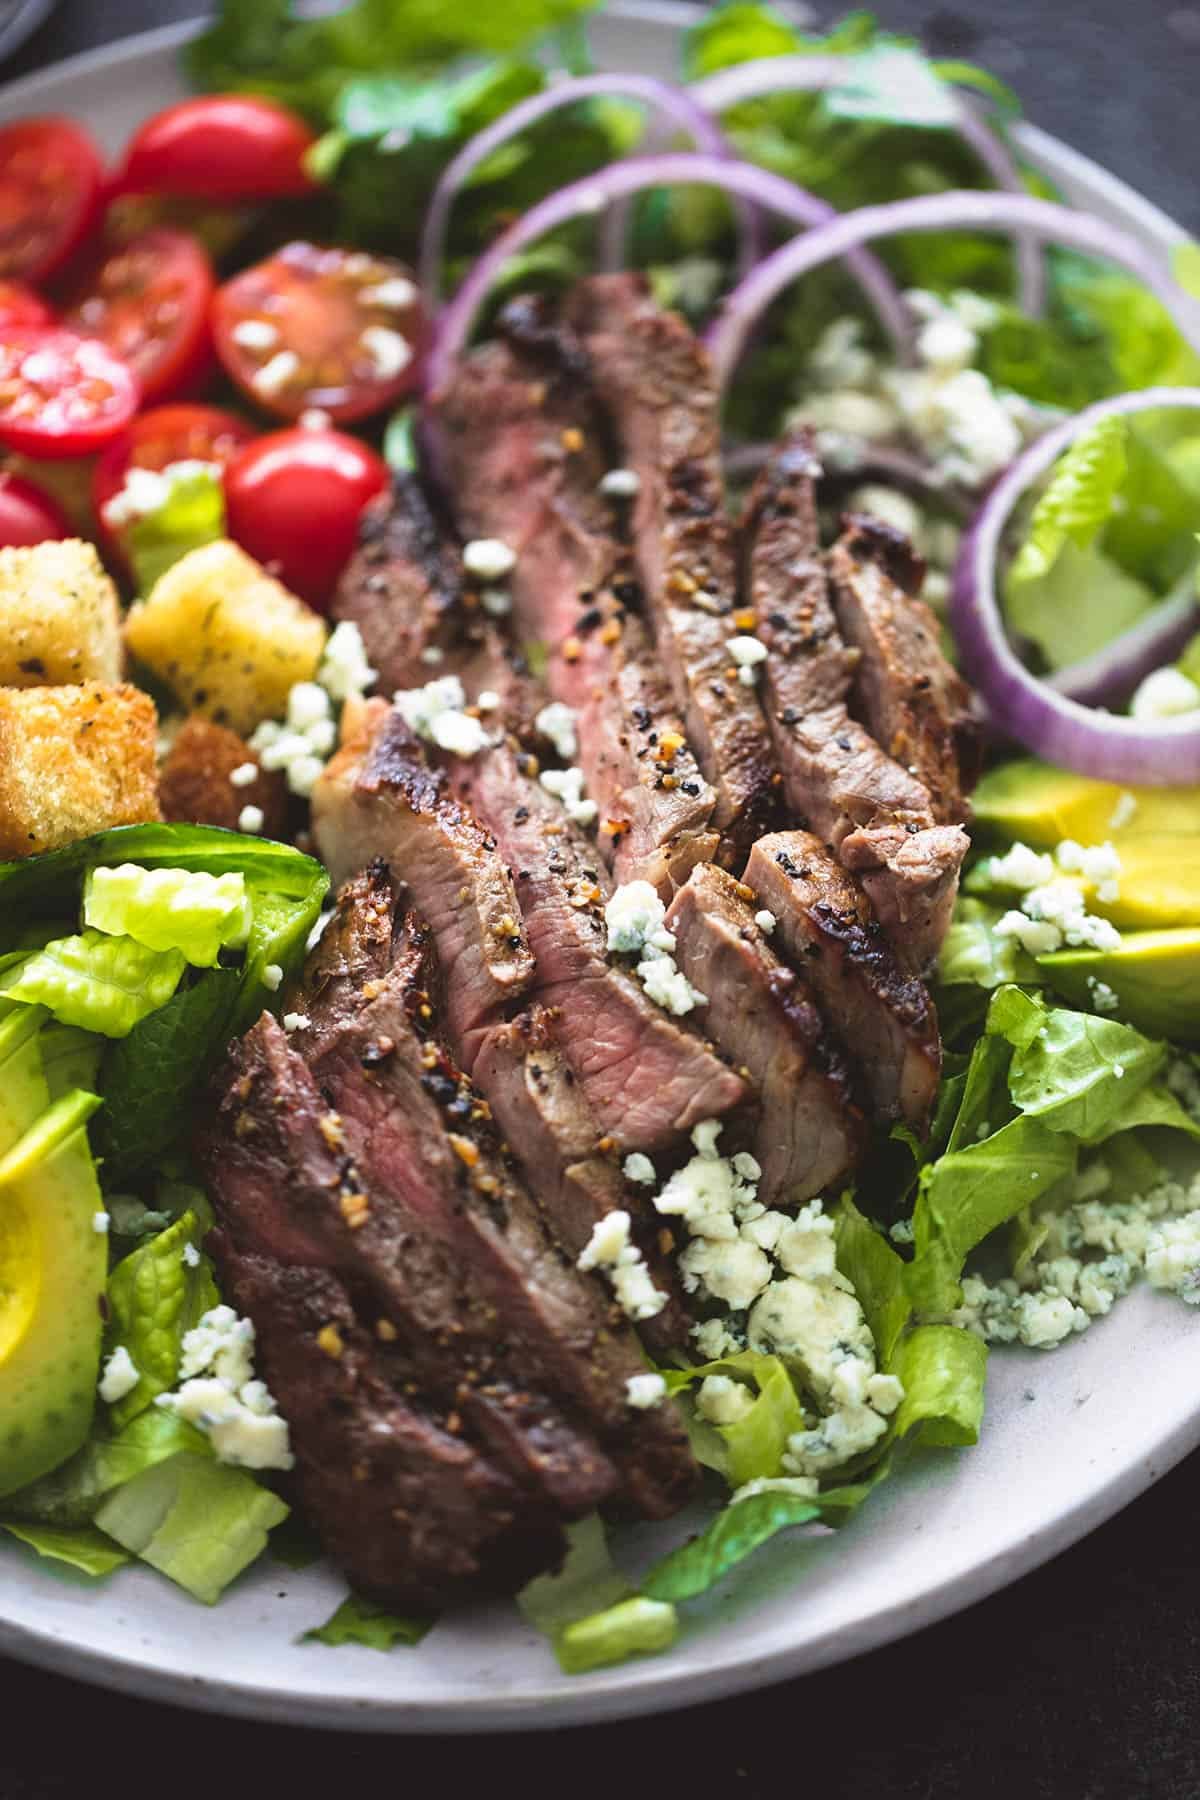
x=1111 y=674
x=899 y=467
x=671 y=102
x=632 y=176
x=815 y=74
x=967 y=211
x=1060 y=729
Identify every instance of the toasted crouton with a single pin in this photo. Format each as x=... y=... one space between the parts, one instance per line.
x=74 y=760
x=228 y=639
x=194 y=783
x=60 y=619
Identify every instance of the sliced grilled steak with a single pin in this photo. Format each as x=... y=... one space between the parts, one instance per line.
x=416 y=1515
x=377 y=797
x=646 y=1077
x=878 y=816
x=885 y=1019
x=913 y=701
x=655 y=379
x=810 y=1129
x=526 y=456
x=402 y=587
x=575 y=1171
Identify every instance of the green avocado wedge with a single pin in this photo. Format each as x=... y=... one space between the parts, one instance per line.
x=1154 y=974
x=53 y=1265
x=1035 y=803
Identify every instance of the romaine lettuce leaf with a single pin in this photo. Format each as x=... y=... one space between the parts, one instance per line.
x=192 y=514
x=942 y=1369
x=196 y=1521
x=876 y=1273
x=1078 y=500
x=81 y=1546
x=1077 y=607
x=365 y=1622
x=102 y=984
x=70 y=1058
x=736 y=1532
x=754 y=1444
x=154 y=1298
x=634 y=1627
x=70 y=1495
x=1081 y=1073
x=971 y=951
x=584 y=1596
x=170 y=909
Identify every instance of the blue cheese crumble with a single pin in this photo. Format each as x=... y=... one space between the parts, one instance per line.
x=611 y=1250
x=219 y=1394
x=635 y=920
x=121 y=1375
x=437 y=713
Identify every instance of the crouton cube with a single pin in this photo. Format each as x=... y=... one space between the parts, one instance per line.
x=60 y=619
x=207 y=780
x=74 y=760
x=225 y=637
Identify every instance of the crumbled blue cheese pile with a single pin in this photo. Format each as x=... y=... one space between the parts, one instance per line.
x=219 y=1394
x=635 y=919
x=1051 y=890
x=301 y=743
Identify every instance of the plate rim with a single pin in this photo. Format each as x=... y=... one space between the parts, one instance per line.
x=606 y=1696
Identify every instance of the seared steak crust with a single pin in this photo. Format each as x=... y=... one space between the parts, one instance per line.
x=655 y=380
x=403 y=586
x=878 y=816
x=810 y=1129
x=884 y=1019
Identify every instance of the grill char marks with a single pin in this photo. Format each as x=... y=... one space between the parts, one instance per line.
x=884 y=1019
x=911 y=698
x=878 y=816
x=377 y=797
x=402 y=587
x=646 y=1078
x=508 y=415
x=540 y=1107
x=810 y=1128
x=656 y=382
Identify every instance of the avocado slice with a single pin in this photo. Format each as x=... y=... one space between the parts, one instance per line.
x=1040 y=805
x=24 y=1095
x=1154 y=974
x=53 y=1266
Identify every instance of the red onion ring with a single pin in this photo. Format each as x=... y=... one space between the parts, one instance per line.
x=674 y=103
x=1055 y=727
x=597 y=191
x=1110 y=675
x=816 y=74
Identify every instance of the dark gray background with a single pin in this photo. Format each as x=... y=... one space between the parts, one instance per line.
x=1082 y=1682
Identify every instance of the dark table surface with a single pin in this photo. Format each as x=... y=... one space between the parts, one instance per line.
x=1081 y=1682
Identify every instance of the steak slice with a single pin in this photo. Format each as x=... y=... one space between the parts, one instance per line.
x=415 y=1515
x=878 y=816
x=810 y=1128
x=913 y=701
x=884 y=1018
x=377 y=797
x=402 y=587
x=646 y=1077
x=656 y=381
x=575 y=1171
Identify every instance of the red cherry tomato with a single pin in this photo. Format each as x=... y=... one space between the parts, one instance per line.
x=294 y=499
x=220 y=147
x=149 y=301
x=333 y=329
x=21 y=307
x=28 y=515
x=50 y=183
x=60 y=394
x=164 y=435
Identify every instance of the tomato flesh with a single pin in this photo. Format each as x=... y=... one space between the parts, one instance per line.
x=50 y=188
x=148 y=301
x=60 y=394
x=21 y=307
x=164 y=435
x=311 y=328
x=28 y=515
x=220 y=147
x=294 y=500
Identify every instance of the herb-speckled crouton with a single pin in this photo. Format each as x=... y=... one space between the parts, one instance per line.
x=60 y=619
x=74 y=760
x=227 y=638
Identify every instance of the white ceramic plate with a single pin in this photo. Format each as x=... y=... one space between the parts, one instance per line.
x=1069 y=1438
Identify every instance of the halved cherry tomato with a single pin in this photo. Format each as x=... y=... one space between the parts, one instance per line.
x=149 y=301
x=164 y=435
x=50 y=183
x=61 y=394
x=294 y=500
x=20 y=306
x=336 y=330
x=28 y=515
x=220 y=147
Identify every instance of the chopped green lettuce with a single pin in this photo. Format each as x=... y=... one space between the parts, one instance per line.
x=102 y=984
x=942 y=1369
x=589 y=1610
x=365 y=1622
x=70 y=1058
x=876 y=1274
x=82 y=1547
x=1078 y=500
x=187 y=910
x=70 y=1495
x=192 y=514
x=736 y=1532
x=753 y=1445
x=196 y=1521
x=1080 y=1073
x=155 y=1296
x=634 y=1627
